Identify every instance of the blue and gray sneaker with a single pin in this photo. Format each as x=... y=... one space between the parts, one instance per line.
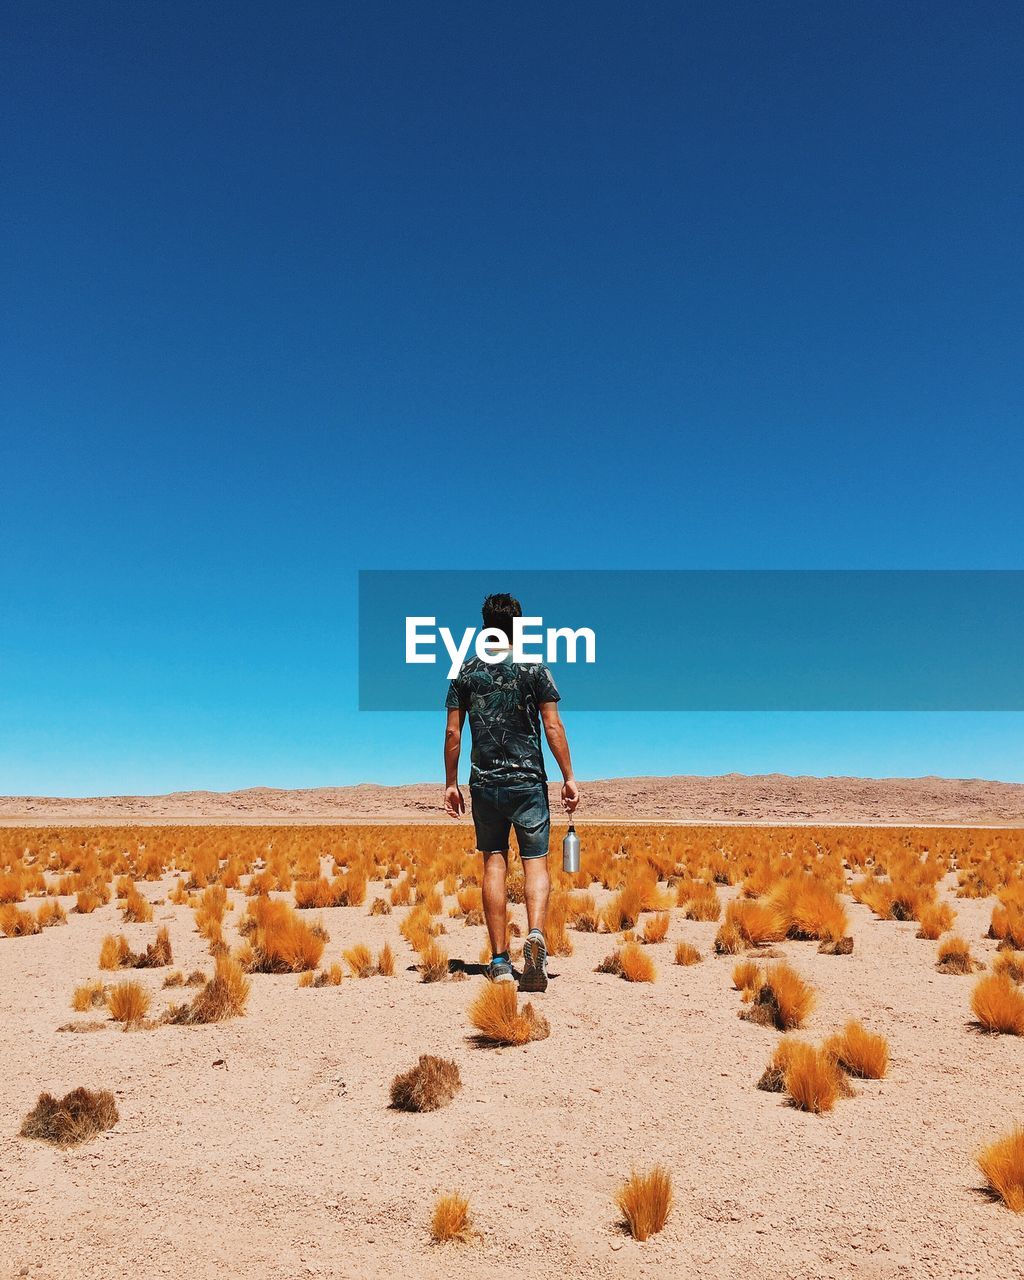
x=535 y=963
x=500 y=970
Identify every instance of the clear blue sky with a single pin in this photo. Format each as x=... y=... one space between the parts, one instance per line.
x=296 y=289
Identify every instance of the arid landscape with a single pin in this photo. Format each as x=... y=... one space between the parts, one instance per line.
x=804 y=1040
x=731 y=798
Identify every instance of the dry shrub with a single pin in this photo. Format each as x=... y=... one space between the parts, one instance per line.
x=313 y=893
x=158 y=953
x=386 y=961
x=746 y=976
x=812 y=1079
x=418 y=928
x=77 y=1117
x=401 y=894
x=428 y=1086
x=656 y=928
x=935 y=920
x=1010 y=964
x=629 y=962
x=175 y=979
x=136 y=908
x=645 y=1201
x=773 y=1078
x=86 y=902
x=703 y=903
x=686 y=953
x=196 y=979
x=281 y=942
x=89 y=995
x=360 y=961
x=816 y=913
x=758 y=921
x=499 y=1021
x=1002 y=1164
x=582 y=912
x=859 y=1051
x=783 y=1000
x=380 y=907
x=999 y=1005
x=51 y=913
x=728 y=940
x=433 y=963
x=115 y=952
x=16 y=923
x=224 y=996
x=128 y=1002
x=450 y=1220
x=836 y=947
x=955 y=956
x=308 y=979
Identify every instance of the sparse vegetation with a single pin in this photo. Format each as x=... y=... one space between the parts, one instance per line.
x=1002 y=1163
x=998 y=1005
x=73 y=1119
x=859 y=1052
x=499 y=1021
x=450 y=1220
x=646 y=1201
x=429 y=1085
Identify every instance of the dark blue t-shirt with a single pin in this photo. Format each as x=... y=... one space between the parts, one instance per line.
x=503 y=700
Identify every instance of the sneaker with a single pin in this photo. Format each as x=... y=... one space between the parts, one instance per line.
x=535 y=964
x=500 y=971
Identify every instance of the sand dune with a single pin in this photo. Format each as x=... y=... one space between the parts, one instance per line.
x=732 y=797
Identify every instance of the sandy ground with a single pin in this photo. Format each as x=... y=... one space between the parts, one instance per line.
x=732 y=797
x=265 y=1146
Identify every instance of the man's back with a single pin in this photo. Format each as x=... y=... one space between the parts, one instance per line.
x=502 y=701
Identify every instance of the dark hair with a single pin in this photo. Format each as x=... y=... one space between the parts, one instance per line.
x=499 y=610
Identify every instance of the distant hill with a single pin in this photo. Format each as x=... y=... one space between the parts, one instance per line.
x=731 y=798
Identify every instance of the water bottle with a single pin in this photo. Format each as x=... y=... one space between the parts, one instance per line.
x=571 y=850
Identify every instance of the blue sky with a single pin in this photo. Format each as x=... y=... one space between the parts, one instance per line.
x=294 y=290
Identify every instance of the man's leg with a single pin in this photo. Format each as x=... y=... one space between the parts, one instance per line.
x=495 y=899
x=537 y=891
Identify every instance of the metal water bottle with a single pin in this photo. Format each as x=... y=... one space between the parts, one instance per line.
x=571 y=850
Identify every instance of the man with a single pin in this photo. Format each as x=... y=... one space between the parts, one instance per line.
x=506 y=703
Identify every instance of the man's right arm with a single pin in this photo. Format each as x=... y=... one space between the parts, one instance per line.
x=554 y=731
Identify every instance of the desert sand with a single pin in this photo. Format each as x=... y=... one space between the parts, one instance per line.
x=733 y=797
x=264 y=1146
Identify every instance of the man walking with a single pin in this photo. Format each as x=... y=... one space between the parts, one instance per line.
x=506 y=703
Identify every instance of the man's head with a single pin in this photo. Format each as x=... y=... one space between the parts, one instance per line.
x=499 y=611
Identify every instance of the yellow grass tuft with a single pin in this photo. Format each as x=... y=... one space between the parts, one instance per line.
x=128 y=1002
x=686 y=953
x=645 y=1201
x=1002 y=1163
x=935 y=920
x=999 y=1005
x=746 y=976
x=812 y=1078
x=433 y=962
x=386 y=961
x=224 y=996
x=656 y=927
x=1010 y=964
x=281 y=941
x=360 y=961
x=635 y=964
x=859 y=1051
x=450 y=1220
x=89 y=995
x=955 y=956
x=499 y=1021
x=783 y=1000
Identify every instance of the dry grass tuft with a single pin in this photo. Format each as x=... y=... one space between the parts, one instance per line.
x=783 y=1000
x=428 y=1086
x=136 y=908
x=433 y=962
x=813 y=1079
x=999 y=1005
x=450 y=1220
x=773 y=1078
x=224 y=996
x=1002 y=1163
x=281 y=941
x=645 y=1201
x=360 y=961
x=935 y=920
x=89 y=995
x=115 y=952
x=836 y=947
x=746 y=977
x=77 y=1117
x=499 y=1021
x=955 y=956
x=386 y=961
x=859 y=1052
x=380 y=907
x=656 y=928
x=1010 y=964
x=687 y=954
x=128 y=1002
x=635 y=964
x=728 y=940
